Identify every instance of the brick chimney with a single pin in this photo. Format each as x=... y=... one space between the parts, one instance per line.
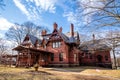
x=93 y=38
x=55 y=25
x=72 y=30
x=44 y=32
x=60 y=30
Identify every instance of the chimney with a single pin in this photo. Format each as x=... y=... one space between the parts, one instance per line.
x=72 y=30
x=55 y=25
x=60 y=30
x=93 y=38
x=44 y=32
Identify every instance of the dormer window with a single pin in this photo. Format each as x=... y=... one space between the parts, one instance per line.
x=37 y=46
x=31 y=46
x=44 y=46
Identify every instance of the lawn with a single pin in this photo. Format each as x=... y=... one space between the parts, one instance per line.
x=74 y=73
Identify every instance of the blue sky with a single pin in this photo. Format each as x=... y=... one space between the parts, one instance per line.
x=44 y=13
x=40 y=12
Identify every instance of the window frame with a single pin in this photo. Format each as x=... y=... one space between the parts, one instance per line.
x=56 y=44
x=61 y=56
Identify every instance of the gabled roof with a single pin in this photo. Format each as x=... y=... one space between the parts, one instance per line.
x=67 y=38
x=64 y=37
x=32 y=39
x=93 y=45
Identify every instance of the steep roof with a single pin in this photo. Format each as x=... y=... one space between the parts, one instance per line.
x=32 y=39
x=64 y=37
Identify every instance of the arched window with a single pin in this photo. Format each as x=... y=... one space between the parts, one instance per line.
x=99 y=58
x=61 y=57
x=106 y=57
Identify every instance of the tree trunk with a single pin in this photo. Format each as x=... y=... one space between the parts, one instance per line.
x=114 y=57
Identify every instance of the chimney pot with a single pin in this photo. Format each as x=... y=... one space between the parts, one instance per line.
x=60 y=29
x=55 y=25
x=44 y=32
x=72 y=30
x=93 y=38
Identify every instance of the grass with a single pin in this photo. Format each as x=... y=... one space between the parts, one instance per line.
x=75 y=73
x=95 y=71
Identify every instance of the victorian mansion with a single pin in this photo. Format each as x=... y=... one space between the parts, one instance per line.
x=59 y=49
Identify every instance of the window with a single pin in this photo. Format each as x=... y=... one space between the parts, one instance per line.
x=53 y=44
x=52 y=57
x=37 y=46
x=75 y=57
x=61 y=57
x=91 y=56
x=44 y=46
x=59 y=44
x=83 y=54
x=56 y=44
x=106 y=58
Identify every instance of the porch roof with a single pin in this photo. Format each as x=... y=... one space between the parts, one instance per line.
x=19 y=48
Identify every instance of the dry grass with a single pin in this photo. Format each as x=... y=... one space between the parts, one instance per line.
x=76 y=73
x=95 y=71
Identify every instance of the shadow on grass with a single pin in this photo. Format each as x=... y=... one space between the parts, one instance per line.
x=39 y=72
x=27 y=75
x=78 y=69
x=89 y=77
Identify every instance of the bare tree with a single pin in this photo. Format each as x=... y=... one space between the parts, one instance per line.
x=113 y=40
x=100 y=12
x=17 y=32
x=3 y=49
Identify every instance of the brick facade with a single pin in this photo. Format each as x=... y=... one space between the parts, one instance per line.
x=57 y=49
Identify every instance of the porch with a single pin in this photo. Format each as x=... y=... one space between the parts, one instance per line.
x=28 y=57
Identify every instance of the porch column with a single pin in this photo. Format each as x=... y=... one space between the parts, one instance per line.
x=28 y=59
x=17 y=60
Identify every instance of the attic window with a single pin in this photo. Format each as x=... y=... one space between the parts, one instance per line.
x=44 y=46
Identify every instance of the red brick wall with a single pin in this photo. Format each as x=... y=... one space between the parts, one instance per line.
x=85 y=59
x=63 y=48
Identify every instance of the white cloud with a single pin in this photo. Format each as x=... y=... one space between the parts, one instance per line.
x=33 y=8
x=71 y=17
x=46 y=5
x=21 y=7
x=5 y=24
